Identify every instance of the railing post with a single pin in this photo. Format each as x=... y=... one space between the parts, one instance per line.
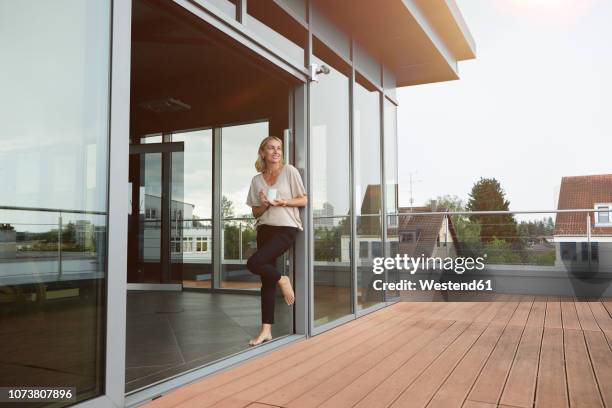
x=59 y=248
x=588 y=220
x=446 y=221
x=240 y=240
x=218 y=221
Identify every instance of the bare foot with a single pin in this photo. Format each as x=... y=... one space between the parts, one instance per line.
x=262 y=338
x=285 y=285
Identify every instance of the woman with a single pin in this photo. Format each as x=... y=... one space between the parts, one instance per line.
x=278 y=222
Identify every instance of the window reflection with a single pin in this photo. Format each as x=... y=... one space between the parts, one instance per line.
x=239 y=238
x=195 y=210
x=53 y=162
x=391 y=186
x=329 y=115
x=368 y=198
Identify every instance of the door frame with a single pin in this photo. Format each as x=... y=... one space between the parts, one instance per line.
x=165 y=257
x=118 y=206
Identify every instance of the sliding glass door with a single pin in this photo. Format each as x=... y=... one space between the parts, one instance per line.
x=196 y=246
x=155 y=221
x=239 y=146
x=330 y=144
x=368 y=189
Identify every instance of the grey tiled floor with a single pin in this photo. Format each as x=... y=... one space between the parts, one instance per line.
x=171 y=332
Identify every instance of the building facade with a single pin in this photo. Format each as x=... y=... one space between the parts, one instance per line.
x=129 y=136
x=581 y=239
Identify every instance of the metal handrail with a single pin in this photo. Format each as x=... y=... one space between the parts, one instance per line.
x=493 y=212
x=60 y=212
x=500 y=212
x=238 y=219
x=42 y=209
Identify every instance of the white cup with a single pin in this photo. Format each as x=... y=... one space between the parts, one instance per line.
x=272 y=192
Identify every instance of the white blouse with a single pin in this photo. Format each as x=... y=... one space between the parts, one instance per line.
x=288 y=185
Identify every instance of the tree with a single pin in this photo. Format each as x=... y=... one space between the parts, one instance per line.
x=446 y=202
x=531 y=230
x=227 y=207
x=236 y=233
x=344 y=226
x=488 y=195
x=231 y=232
x=468 y=232
x=501 y=252
x=69 y=233
x=327 y=243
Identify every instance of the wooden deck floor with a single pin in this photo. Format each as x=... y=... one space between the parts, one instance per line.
x=515 y=352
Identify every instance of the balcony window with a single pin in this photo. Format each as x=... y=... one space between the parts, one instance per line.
x=363 y=249
x=602 y=214
x=408 y=237
x=202 y=244
x=394 y=248
x=376 y=249
x=594 y=253
x=568 y=251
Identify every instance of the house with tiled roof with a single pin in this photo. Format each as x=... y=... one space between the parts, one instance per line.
x=429 y=235
x=369 y=228
x=575 y=230
x=411 y=232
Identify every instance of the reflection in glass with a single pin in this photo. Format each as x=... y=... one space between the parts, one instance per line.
x=390 y=154
x=239 y=151
x=148 y=139
x=54 y=131
x=332 y=265
x=367 y=191
x=329 y=116
x=239 y=243
x=149 y=259
x=196 y=242
x=179 y=211
x=391 y=186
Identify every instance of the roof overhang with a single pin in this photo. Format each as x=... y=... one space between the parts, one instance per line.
x=421 y=41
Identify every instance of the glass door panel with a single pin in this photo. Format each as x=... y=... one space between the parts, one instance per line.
x=197 y=176
x=155 y=226
x=330 y=145
x=144 y=247
x=180 y=211
x=368 y=198
x=239 y=146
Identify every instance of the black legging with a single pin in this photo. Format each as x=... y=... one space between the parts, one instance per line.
x=272 y=241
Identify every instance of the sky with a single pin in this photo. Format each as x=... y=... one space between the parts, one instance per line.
x=534 y=106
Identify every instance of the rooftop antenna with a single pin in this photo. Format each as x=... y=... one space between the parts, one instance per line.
x=412 y=181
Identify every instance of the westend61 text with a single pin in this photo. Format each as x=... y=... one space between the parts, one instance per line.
x=430 y=284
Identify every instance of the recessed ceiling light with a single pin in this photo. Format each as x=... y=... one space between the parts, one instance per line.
x=165 y=105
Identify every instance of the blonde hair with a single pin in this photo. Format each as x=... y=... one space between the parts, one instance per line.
x=260 y=163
